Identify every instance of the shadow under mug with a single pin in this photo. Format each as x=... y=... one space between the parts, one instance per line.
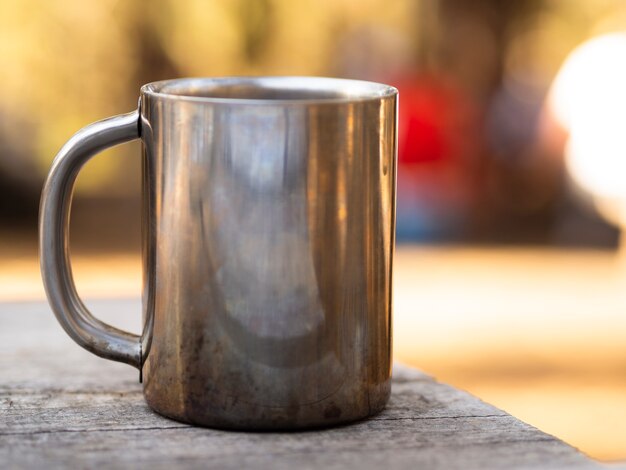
x=268 y=237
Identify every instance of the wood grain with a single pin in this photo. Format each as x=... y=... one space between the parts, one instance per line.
x=61 y=407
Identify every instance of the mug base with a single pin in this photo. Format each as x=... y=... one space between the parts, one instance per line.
x=263 y=419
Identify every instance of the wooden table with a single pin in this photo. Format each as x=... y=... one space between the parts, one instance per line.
x=62 y=407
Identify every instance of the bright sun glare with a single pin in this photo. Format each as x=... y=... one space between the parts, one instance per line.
x=588 y=98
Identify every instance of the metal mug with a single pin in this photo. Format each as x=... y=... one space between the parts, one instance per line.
x=268 y=237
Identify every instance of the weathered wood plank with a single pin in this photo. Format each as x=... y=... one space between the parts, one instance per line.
x=61 y=407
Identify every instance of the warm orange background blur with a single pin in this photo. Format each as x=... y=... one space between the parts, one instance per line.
x=510 y=281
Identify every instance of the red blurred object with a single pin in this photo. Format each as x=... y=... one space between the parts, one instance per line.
x=439 y=140
x=437 y=120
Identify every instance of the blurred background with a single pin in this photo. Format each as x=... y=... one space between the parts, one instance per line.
x=510 y=274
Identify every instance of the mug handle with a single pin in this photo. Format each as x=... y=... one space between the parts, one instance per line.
x=54 y=217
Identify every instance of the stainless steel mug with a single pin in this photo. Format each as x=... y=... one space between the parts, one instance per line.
x=268 y=235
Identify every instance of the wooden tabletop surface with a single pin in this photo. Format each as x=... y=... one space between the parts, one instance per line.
x=62 y=407
x=537 y=331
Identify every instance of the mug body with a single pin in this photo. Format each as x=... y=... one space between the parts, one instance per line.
x=269 y=212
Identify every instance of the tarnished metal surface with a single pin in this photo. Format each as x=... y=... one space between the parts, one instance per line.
x=268 y=240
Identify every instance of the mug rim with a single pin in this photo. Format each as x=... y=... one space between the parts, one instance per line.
x=313 y=89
